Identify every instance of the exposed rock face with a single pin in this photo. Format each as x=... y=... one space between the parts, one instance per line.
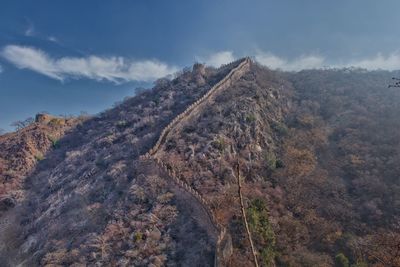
x=43 y=118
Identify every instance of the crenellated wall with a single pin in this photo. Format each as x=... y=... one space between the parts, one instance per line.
x=223 y=240
x=232 y=76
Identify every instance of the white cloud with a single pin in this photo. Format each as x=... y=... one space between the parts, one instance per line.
x=268 y=59
x=30 y=58
x=217 y=59
x=379 y=61
x=30 y=31
x=303 y=62
x=114 y=69
x=390 y=62
x=52 y=39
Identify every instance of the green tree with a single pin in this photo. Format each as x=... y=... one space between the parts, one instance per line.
x=261 y=227
x=341 y=260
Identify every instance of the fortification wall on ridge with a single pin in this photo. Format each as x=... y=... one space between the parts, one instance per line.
x=223 y=248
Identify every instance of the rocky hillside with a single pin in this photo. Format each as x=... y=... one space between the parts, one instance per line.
x=21 y=151
x=154 y=181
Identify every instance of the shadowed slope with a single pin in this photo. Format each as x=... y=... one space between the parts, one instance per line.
x=22 y=150
x=90 y=202
x=318 y=153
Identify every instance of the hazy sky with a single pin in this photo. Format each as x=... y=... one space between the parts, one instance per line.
x=70 y=56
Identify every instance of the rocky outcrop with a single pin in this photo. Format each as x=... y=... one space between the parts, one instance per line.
x=43 y=118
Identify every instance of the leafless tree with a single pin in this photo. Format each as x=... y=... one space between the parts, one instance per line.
x=22 y=124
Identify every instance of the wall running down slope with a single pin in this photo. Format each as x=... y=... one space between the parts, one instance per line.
x=232 y=76
x=223 y=248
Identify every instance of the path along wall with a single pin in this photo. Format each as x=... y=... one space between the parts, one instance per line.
x=223 y=240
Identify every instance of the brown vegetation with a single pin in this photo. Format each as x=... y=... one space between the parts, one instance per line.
x=318 y=153
x=22 y=150
x=92 y=200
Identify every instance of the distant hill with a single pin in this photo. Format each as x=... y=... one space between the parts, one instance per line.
x=154 y=180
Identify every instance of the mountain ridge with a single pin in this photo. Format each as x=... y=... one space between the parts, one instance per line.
x=222 y=253
x=316 y=153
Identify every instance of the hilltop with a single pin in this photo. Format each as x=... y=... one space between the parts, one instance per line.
x=154 y=180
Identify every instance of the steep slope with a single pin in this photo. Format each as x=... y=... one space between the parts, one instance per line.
x=153 y=181
x=234 y=125
x=347 y=196
x=317 y=151
x=94 y=201
x=223 y=241
x=22 y=150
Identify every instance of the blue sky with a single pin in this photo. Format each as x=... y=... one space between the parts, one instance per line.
x=70 y=56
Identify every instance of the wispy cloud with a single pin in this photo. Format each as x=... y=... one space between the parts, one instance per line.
x=389 y=62
x=217 y=59
x=304 y=62
x=380 y=61
x=52 y=39
x=30 y=30
x=266 y=58
x=1 y=68
x=114 y=69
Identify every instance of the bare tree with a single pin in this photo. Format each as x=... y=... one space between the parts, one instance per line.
x=22 y=124
x=101 y=244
